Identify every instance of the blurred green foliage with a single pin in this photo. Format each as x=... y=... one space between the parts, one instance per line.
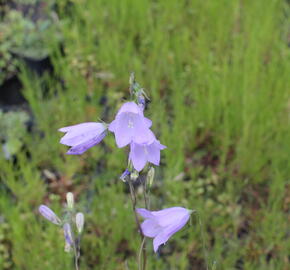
x=217 y=73
x=25 y=33
x=12 y=129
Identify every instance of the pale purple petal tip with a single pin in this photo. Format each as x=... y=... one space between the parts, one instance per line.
x=160 y=239
x=144 y=213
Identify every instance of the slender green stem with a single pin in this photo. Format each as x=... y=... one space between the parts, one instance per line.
x=76 y=255
x=134 y=202
x=76 y=249
x=141 y=252
x=141 y=266
x=143 y=245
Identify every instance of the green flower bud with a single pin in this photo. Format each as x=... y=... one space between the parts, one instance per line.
x=70 y=200
x=150 y=176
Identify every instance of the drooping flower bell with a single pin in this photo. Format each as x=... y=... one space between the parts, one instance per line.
x=140 y=154
x=83 y=136
x=130 y=125
x=161 y=225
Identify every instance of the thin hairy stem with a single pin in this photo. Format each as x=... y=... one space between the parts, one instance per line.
x=76 y=255
x=141 y=266
x=76 y=249
x=141 y=252
x=143 y=245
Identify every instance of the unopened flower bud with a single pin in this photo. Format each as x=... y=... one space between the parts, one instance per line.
x=141 y=100
x=134 y=175
x=47 y=213
x=68 y=234
x=150 y=176
x=132 y=78
x=67 y=247
x=124 y=175
x=80 y=220
x=70 y=200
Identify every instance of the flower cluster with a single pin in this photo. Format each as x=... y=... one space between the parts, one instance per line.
x=78 y=219
x=130 y=127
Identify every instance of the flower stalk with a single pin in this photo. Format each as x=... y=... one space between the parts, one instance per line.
x=142 y=251
x=70 y=223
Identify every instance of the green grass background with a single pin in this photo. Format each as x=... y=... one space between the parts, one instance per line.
x=217 y=73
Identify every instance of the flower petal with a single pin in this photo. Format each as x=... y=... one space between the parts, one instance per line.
x=124 y=131
x=153 y=154
x=144 y=213
x=148 y=122
x=138 y=156
x=167 y=232
x=159 y=145
x=142 y=134
x=130 y=107
x=150 y=228
x=82 y=132
x=81 y=148
x=74 y=127
x=160 y=239
x=171 y=216
x=113 y=126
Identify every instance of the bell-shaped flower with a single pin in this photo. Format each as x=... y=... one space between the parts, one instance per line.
x=47 y=213
x=140 y=154
x=161 y=225
x=131 y=125
x=83 y=136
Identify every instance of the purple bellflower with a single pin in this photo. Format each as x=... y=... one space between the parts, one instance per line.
x=82 y=136
x=47 y=213
x=161 y=225
x=131 y=125
x=141 y=153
